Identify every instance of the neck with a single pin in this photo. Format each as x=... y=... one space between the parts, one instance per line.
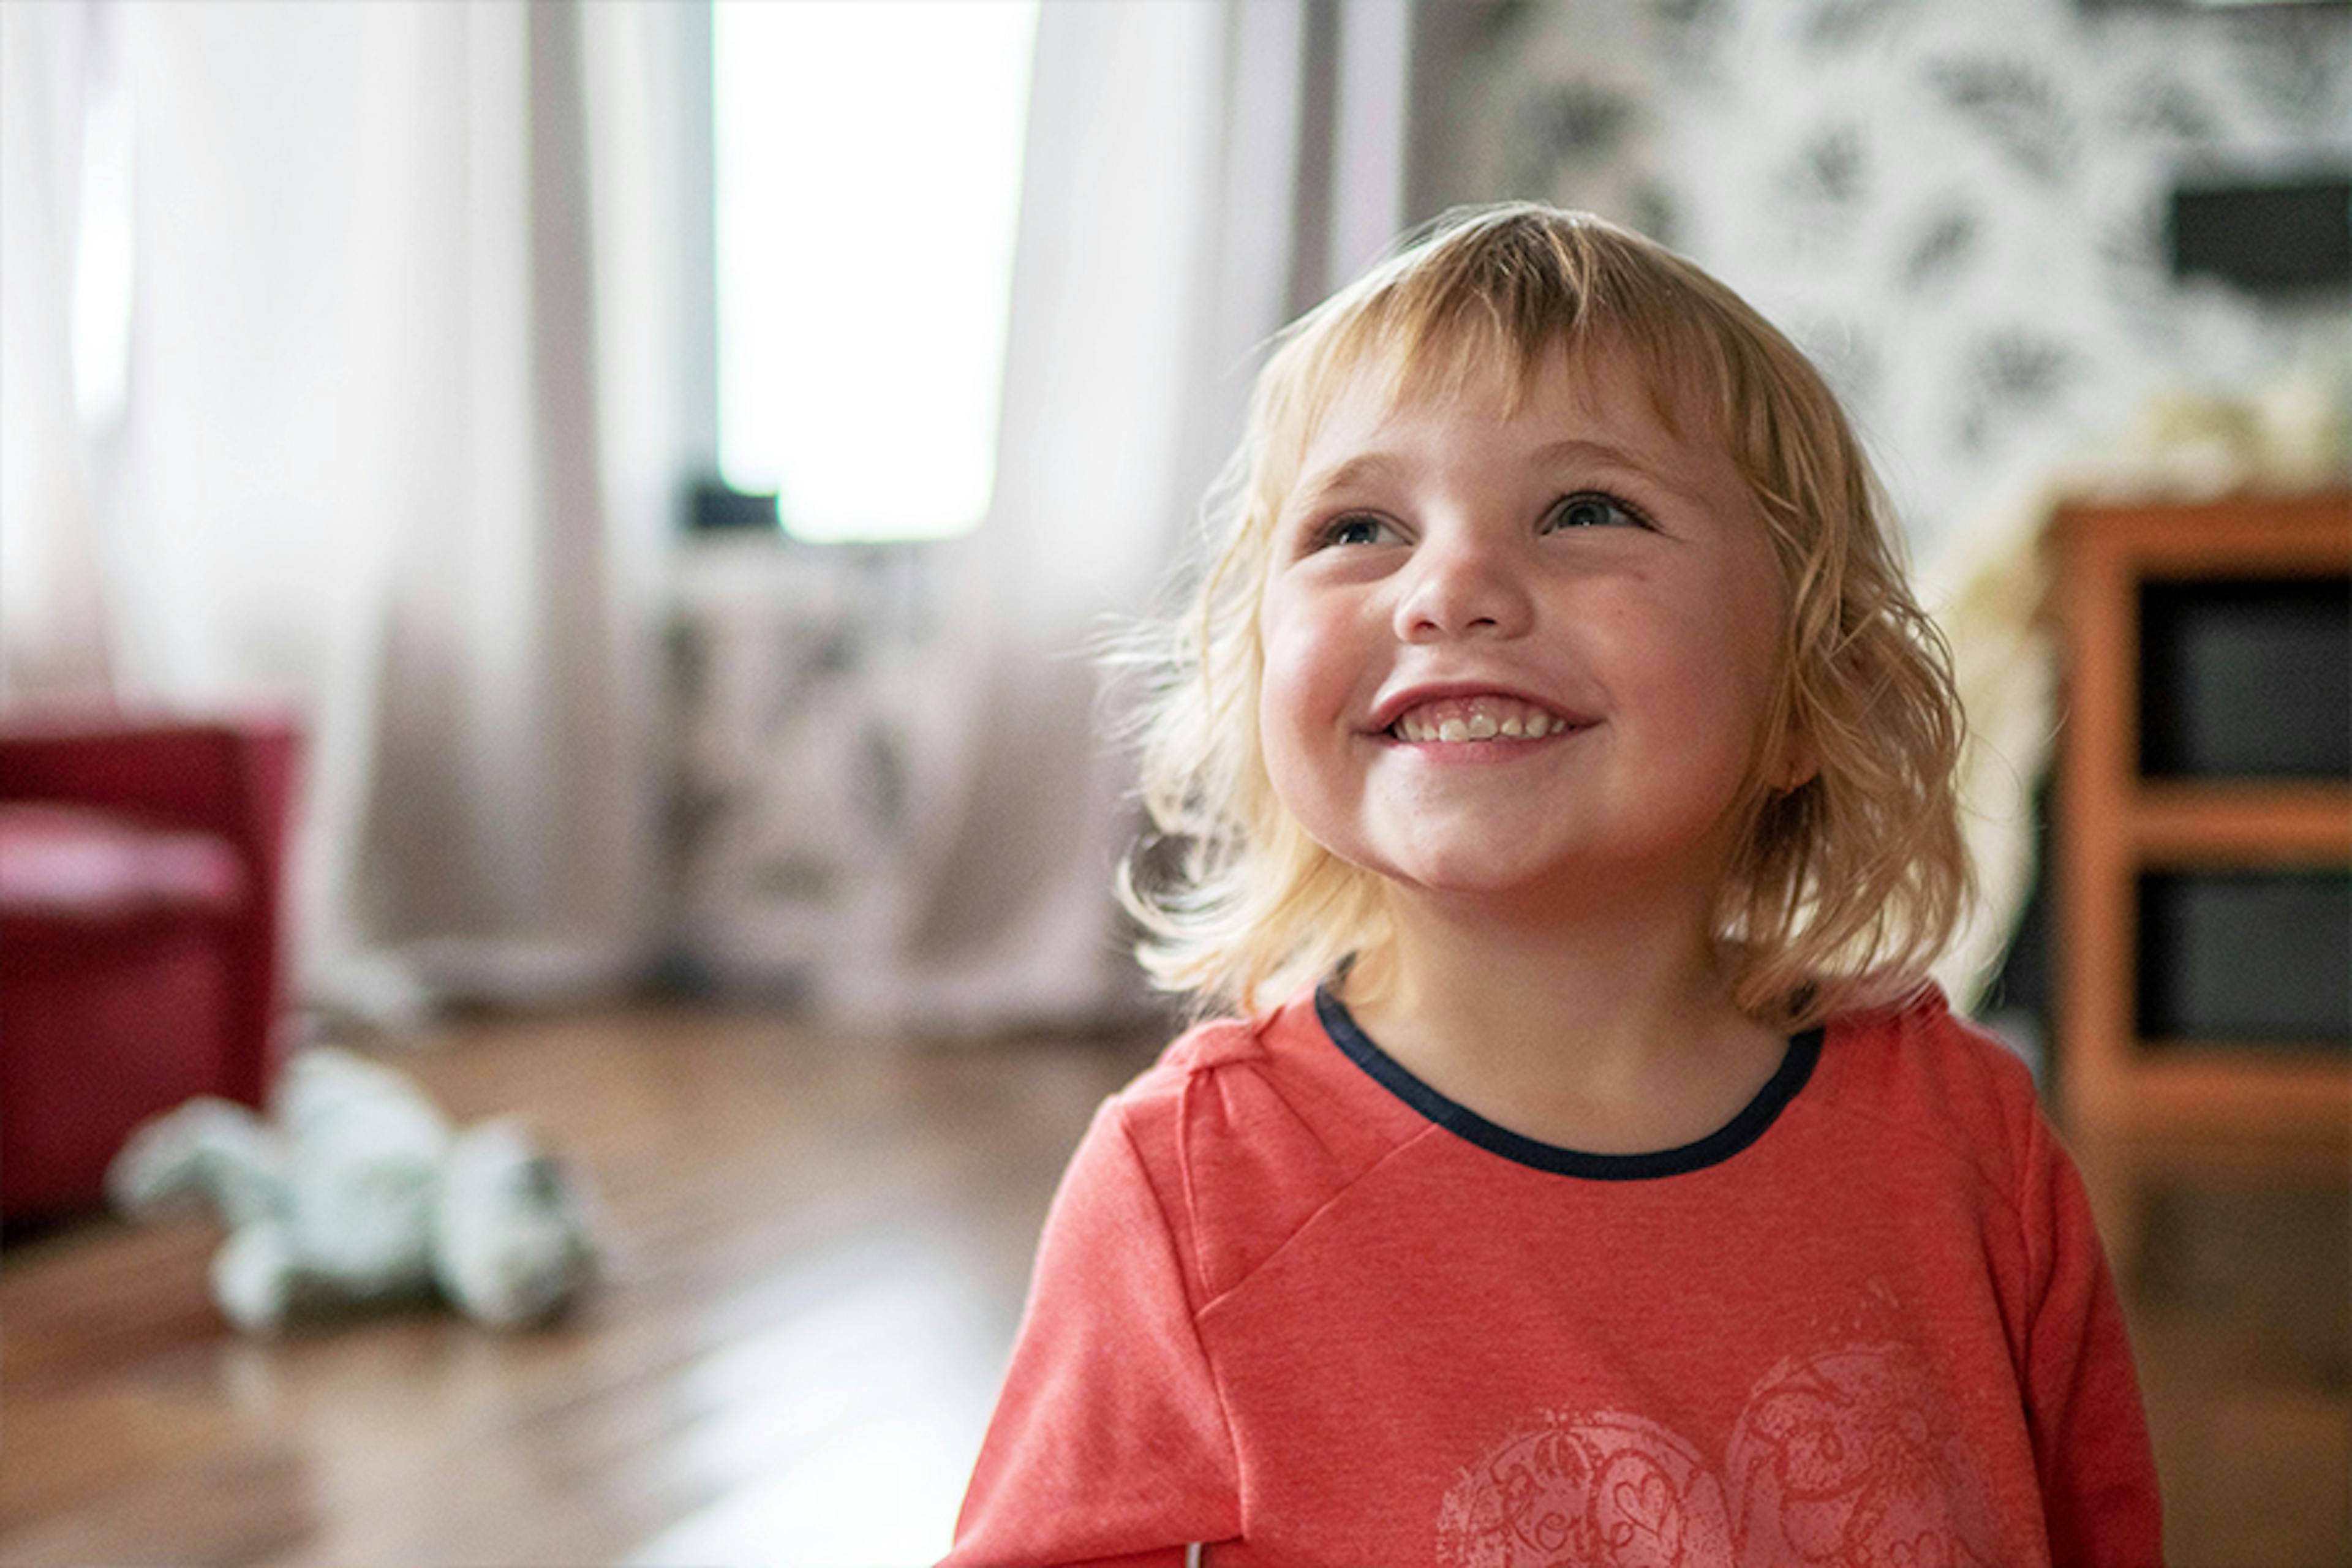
x=1609 y=1025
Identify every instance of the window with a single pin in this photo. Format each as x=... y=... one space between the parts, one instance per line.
x=868 y=185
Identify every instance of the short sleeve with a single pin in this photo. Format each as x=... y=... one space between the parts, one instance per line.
x=2090 y=1432
x=1109 y=1441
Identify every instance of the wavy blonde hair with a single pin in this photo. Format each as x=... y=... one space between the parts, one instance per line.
x=1844 y=889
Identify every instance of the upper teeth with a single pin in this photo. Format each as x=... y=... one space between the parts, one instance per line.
x=1477 y=719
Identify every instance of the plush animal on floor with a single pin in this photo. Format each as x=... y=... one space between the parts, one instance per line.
x=357 y=1192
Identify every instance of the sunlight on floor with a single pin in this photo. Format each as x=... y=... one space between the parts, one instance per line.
x=882 y=1497
x=840 y=1437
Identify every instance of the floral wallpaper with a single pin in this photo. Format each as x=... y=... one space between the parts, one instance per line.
x=1958 y=209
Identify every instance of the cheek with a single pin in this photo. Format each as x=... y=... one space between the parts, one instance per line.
x=1747 y=674
x=1711 y=658
x=1286 y=701
x=1306 y=669
x=1303 y=703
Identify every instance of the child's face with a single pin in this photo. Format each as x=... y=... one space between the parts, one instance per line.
x=1514 y=654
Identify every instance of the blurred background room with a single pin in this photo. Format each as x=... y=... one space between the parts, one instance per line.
x=561 y=545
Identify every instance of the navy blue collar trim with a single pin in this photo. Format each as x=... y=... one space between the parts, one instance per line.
x=1758 y=1114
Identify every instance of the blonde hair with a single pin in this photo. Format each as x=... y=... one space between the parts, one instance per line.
x=1844 y=889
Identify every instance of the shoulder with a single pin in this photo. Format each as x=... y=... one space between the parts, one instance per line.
x=1244 y=1129
x=1204 y=1050
x=1925 y=1076
x=1208 y=1065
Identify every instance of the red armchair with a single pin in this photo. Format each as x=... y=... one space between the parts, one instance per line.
x=141 y=869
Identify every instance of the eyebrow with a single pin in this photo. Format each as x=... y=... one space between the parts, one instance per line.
x=1573 y=450
x=1371 y=467
x=1362 y=467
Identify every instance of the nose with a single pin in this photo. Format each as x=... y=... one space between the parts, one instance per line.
x=1464 y=587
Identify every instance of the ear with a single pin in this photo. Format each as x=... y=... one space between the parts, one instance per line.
x=1796 y=762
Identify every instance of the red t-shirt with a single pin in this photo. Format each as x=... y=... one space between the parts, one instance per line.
x=1294 y=1303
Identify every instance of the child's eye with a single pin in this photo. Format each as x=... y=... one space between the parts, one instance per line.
x=1355 y=528
x=1591 y=509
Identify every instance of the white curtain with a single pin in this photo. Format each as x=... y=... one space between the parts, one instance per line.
x=55 y=71
x=362 y=465
x=1117 y=341
x=409 y=384
x=1196 y=171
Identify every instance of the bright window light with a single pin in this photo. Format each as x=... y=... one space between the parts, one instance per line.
x=103 y=259
x=868 y=179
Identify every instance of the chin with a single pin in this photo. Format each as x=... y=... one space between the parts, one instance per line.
x=1530 y=883
x=1474 y=875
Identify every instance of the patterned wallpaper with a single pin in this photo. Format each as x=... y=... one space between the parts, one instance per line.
x=1956 y=206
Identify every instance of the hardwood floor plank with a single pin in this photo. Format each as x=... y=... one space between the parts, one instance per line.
x=817 y=1253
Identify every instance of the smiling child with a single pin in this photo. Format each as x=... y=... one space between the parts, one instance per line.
x=1588 y=1174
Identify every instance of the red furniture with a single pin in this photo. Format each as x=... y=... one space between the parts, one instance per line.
x=141 y=868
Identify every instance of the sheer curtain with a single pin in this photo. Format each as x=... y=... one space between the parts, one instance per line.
x=55 y=71
x=360 y=467
x=1118 y=340
x=1196 y=171
x=409 y=386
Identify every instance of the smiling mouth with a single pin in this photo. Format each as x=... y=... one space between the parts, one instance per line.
x=1485 y=718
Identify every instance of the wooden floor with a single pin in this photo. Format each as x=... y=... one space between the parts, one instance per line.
x=818 y=1256
x=819 y=1249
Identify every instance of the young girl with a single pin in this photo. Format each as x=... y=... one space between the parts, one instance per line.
x=1622 y=1194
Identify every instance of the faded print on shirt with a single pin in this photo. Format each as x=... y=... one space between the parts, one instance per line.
x=1846 y=1458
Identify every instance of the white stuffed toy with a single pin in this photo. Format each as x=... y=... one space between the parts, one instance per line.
x=357 y=1193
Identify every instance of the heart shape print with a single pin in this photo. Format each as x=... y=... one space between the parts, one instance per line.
x=1842 y=1459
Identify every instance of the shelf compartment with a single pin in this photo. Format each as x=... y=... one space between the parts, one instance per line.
x=2232 y=808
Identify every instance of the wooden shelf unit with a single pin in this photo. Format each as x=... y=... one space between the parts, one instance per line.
x=2113 y=824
